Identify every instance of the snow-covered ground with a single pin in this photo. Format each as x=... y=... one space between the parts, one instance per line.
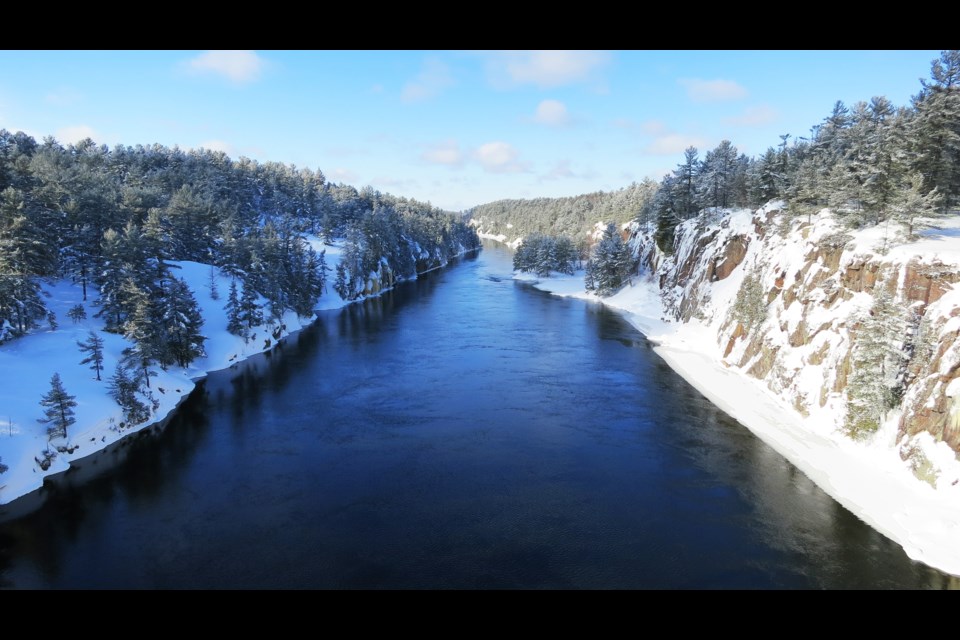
x=28 y=363
x=869 y=479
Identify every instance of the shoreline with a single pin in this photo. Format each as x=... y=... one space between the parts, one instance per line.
x=870 y=482
x=182 y=383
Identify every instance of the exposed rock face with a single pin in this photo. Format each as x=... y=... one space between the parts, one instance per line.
x=818 y=282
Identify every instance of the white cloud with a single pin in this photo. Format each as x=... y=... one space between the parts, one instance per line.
x=75 y=133
x=499 y=157
x=672 y=143
x=544 y=69
x=654 y=127
x=446 y=153
x=560 y=170
x=552 y=113
x=220 y=145
x=239 y=67
x=754 y=116
x=344 y=175
x=624 y=123
x=429 y=83
x=712 y=90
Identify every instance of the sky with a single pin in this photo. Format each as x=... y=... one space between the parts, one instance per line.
x=455 y=128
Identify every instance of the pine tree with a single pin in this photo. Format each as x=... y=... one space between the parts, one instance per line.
x=935 y=127
x=212 y=284
x=77 y=313
x=565 y=255
x=181 y=324
x=93 y=345
x=611 y=264
x=877 y=364
x=58 y=409
x=340 y=283
x=25 y=256
x=124 y=387
x=144 y=327
x=912 y=203
x=545 y=258
x=232 y=307
x=750 y=305
x=250 y=314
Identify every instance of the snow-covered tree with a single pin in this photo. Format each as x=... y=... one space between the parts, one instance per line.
x=565 y=255
x=181 y=324
x=750 y=305
x=77 y=313
x=124 y=388
x=234 y=325
x=877 y=365
x=250 y=314
x=57 y=408
x=212 y=283
x=913 y=203
x=611 y=264
x=93 y=346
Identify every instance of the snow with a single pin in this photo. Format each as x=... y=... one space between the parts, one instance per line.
x=868 y=478
x=27 y=364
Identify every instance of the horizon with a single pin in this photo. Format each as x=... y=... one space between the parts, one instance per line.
x=453 y=128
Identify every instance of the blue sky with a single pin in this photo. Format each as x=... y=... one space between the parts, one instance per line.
x=456 y=128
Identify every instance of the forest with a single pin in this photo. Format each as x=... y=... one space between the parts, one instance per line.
x=113 y=221
x=872 y=162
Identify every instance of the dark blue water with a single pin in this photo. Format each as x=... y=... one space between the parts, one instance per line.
x=462 y=431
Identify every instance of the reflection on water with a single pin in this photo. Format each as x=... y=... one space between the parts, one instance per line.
x=460 y=431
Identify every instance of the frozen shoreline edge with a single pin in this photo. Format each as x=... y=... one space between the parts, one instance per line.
x=10 y=507
x=923 y=537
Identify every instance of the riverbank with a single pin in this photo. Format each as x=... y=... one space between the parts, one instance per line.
x=870 y=480
x=29 y=362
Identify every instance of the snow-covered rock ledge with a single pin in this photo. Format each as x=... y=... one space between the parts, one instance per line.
x=26 y=365
x=870 y=478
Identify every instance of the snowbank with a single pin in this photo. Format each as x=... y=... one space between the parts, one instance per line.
x=868 y=478
x=27 y=364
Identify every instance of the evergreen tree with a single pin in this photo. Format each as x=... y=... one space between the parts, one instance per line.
x=25 y=256
x=182 y=323
x=250 y=314
x=545 y=259
x=750 y=305
x=212 y=284
x=912 y=204
x=234 y=325
x=93 y=346
x=58 y=409
x=935 y=127
x=877 y=365
x=565 y=255
x=611 y=264
x=144 y=327
x=341 y=284
x=77 y=313
x=124 y=389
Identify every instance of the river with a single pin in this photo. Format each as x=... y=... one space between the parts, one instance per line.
x=461 y=431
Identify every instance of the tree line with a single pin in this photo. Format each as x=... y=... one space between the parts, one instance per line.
x=574 y=217
x=871 y=163
x=114 y=220
x=116 y=217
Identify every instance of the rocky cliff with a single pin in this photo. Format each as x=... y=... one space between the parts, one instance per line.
x=814 y=286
